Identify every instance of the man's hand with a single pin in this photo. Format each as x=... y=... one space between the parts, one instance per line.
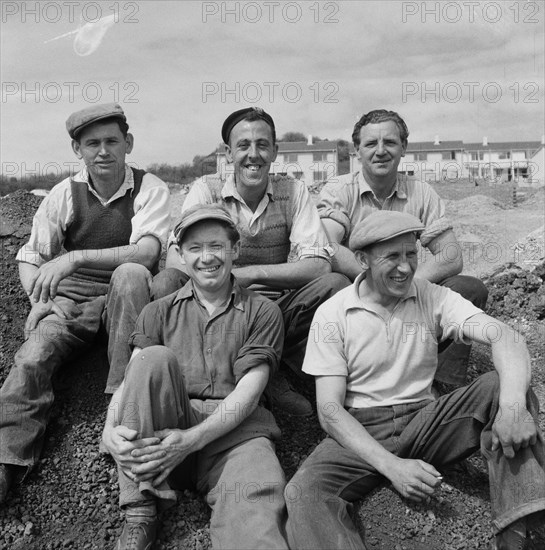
x=39 y=311
x=160 y=459
x=415 y=480
x=121 y=442
x=514 y=428
x=46 y=279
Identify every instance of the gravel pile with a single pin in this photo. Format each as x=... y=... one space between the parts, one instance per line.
x=70 y=499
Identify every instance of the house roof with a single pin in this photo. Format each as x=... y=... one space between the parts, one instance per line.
x=296 y=147
x=430 y=146
x=504 y=146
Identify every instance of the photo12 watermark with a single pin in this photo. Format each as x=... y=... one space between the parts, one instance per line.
x=269 y=92
x=472 y=12
x=470 y=92
x=71 y=12
x=54 y=92
x=271 y=12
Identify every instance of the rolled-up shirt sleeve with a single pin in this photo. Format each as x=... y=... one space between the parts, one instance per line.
x=307 y=236
x=151 y=211
x=264 y=343
x=48 y=227
x=333 y=205
x=148 y=328
x=433 y=216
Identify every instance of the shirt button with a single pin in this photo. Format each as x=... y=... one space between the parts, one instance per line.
x=208 y=350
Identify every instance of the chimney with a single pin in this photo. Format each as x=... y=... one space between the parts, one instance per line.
x=309 y=139
x=437 y=141
x=543 y=139
x=485 y=141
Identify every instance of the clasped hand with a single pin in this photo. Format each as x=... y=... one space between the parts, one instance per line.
x=148 y=459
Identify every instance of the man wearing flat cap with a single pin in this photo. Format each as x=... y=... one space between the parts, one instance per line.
x=374 y=359
x=87 y=267
x=380 y=138
x=283 y=251
x=201 y=359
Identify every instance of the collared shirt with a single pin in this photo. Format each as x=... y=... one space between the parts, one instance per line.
x=349 y=199
x=151 y=215
x=307 y=237
x=386 y=361
x=214 y=351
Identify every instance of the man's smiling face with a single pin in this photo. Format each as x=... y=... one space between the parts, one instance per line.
x=252 y=151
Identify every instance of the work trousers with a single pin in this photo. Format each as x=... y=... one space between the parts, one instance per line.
x=27 y=393
x=453 y=357
x=439 y=432
x=298 y=307
x=243 y=484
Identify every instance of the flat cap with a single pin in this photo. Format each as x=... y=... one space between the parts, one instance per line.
x=383 y=225
x=234 y=118
x=78 y=120
x=201 y=212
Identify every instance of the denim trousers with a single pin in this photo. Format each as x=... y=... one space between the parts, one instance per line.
x=27 y=393
x=440 y=432
x=298 y=307
x=242 y=481
x=453 y=357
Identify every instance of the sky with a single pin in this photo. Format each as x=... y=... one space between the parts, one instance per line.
x=457 y=70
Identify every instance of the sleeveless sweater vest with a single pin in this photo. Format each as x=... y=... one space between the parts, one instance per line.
x=272 y=244
x=96 y=226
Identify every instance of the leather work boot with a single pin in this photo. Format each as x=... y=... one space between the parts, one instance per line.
x=513 y=537
x=138 y=533
x=7 y=475
x=287 y=400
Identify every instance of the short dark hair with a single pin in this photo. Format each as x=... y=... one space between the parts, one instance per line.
x=232 y=231
x=123 y=126
x=250 y=114
x=376 y=116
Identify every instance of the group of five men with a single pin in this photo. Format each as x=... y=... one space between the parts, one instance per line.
x=197 y=351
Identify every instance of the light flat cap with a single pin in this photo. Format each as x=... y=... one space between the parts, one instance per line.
x=234 y=118
x=80 y=119
x=383 y=225
x=201 y=212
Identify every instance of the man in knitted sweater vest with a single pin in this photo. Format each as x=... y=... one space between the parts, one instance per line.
x=95 y=242
x=284 y=253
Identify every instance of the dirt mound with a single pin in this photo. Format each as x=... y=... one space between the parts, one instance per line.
x=478 y=205
x=517 y=292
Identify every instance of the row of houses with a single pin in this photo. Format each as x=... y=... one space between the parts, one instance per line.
x=519 y=162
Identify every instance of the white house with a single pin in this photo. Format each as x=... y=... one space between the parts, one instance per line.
x=520 y=162
x=311 y=162
x=503 y=162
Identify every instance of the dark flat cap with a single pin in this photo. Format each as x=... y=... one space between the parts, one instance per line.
x=383 y=225
x=201 y=212
x=234 y=118
x=78 y=120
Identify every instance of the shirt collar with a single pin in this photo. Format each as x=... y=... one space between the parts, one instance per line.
x=354 y=301
x=127 y=185
x=187 y=292
x=229 y=188
x=400 y=187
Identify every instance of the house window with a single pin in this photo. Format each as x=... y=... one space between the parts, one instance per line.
x=319 y=175
x=448 y=155
x=320 y=156
x=506 y=155
x=477 y=155
x=290 y=157
x=421 y=156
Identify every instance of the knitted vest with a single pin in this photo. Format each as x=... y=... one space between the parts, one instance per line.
x=96 y=226
x=272 y=244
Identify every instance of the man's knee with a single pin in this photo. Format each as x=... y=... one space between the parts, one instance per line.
x=329 y=284
x=130 y=276
x=150 y=365
x=166 y=282
x=470 y=288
